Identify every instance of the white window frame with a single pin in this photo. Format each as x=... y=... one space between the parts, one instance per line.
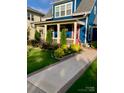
x=55 y=11
x=61 y=10
x=65 y=9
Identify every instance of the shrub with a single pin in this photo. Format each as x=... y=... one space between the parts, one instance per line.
x=55 y=46
x=94 y=44
x=75 y=48
x=63 y=37
x=45 y=45
x=49 y=37
x=37 y=36
x=65 y=48
x=59 y=53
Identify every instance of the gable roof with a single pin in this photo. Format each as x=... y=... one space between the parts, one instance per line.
x=49 y=14
x=35 y=11
x=84 y=6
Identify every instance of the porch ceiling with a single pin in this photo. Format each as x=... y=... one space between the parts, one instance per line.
x=65 y=21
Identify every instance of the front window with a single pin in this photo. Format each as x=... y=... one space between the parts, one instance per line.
x=63 y=10
x=69 y=9
x=28 y=16
x=32 y=17
x=57 y=11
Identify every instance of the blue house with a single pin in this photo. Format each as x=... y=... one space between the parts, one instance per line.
x=78 y=17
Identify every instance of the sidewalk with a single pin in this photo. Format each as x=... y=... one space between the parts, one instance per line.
x=58 y=78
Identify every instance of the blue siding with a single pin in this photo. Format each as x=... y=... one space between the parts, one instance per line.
x=77 y=3
x=69 y=34
x=92 y=16
x=82 y=34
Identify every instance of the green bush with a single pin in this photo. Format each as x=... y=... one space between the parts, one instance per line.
x=75 y=48
x=65 y=48
x=55 y=46
x=37 y=36
x=59 y=53
x=94 y=44
x=63 y=37
x=49 y=37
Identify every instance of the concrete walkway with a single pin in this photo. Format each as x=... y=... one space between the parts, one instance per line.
x=58 y=78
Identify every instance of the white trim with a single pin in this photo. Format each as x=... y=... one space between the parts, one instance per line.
x=81 y=13
x=69 y=39
x=81 y=23
x=57 y=1
x=65 y=9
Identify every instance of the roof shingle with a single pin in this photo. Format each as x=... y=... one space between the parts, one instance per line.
x=85 y=6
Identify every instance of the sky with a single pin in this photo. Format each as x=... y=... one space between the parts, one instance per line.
x=40 y=5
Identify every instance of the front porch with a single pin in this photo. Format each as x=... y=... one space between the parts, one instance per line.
x=72 y=26
x=72 y=32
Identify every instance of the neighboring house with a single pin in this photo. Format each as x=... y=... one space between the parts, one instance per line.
x=33 y=16
x=77 y=16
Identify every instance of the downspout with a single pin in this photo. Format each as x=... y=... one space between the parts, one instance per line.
x=86 y=30
x=75 y=5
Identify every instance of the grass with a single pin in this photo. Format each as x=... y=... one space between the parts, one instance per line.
x=37 y=59
x=87 y=83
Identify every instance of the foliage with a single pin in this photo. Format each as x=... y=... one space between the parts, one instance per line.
x=65 y=48
x=38 y=58
x=75 y=47
x=63 y=37
x=49 y=37
x=55 y=46
x=33 y=43
x=37 y=36
x=94 y=44
x=59 y=53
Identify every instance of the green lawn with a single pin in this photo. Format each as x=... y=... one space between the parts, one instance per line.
x=87 y=83
x=37 y=59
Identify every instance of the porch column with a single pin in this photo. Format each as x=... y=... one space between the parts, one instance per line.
x=58 y=33
x=45 y=32
x=75 y=31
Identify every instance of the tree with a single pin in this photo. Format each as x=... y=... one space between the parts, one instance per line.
x=63 y=37
x=37 y=36
x=49 y=37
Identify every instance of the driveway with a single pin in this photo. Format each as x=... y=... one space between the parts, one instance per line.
x=58 y=78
